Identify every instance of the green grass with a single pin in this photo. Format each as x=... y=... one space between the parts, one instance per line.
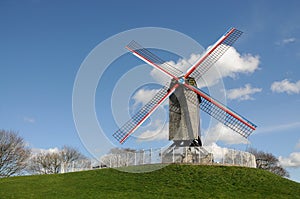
x=173 y=181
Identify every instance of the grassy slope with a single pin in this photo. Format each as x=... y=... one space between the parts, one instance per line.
x=173 y=181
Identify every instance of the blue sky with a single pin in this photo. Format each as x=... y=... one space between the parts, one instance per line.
x=43 y=44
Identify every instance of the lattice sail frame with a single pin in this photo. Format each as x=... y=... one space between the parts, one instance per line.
x=224 y=114
x=213 y=54
x=153 y=60
x=209 y=105
x=131 y=125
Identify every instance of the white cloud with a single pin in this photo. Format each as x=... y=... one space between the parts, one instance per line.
x=223 y=154
x=144 y=96
x=29 y=120
x=216 y=150
x=157 y=129
x=182 y=65
x=286 y=41
x=230 y=64
x=286 y=86
x=50 y=150
x=160 y=132
x=293 y=160
x=185 y=64
x=224 y=134
x=243 y=93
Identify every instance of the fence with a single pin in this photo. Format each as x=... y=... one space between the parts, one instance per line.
x=79 y=165
x=185 y=155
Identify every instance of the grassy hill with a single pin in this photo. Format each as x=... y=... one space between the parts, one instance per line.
x=173 y=181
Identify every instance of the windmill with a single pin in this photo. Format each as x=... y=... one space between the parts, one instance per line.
x=185 y=98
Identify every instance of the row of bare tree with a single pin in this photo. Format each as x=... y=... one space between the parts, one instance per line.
x=60 y=161
x=17 y=158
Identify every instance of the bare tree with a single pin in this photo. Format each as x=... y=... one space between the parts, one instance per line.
x=69 y=154
x=71 y=157
x=45 y=163
x=13 y=154
x=63 y=160
x=269 y=162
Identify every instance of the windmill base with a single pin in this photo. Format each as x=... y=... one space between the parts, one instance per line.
x=184 y=154
x=196 y=155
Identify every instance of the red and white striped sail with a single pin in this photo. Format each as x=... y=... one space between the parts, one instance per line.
x=213 y=54
x=224 y=114
x=153 y=60
x=137 y=120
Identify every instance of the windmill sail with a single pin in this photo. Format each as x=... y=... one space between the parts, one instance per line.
x=131 y=125
x=224 y=115
x=153 y=60
x=213 y=54
x=183 y=114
